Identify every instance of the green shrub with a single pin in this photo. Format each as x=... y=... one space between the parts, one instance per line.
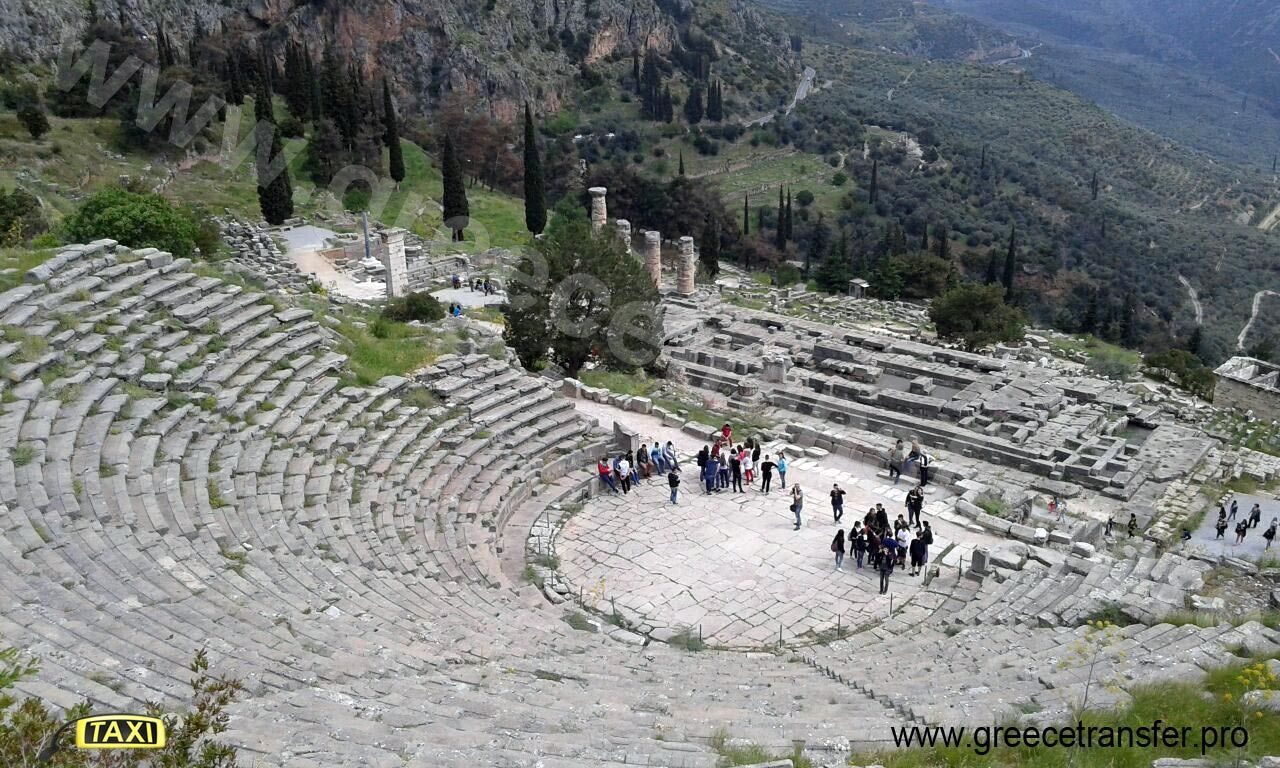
x=138 y=220
x=419 y=306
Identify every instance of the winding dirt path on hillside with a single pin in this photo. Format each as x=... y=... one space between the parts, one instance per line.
x=1271 y=220
x=1195 y=299
x=1257 y=307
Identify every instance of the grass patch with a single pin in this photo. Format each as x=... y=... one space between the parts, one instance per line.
x=236 y=561
x=550 y=562
x=30 y=347
x=23 y=455
x=419 y=397
x=215 y=498
x=743 y=424
x=22 y=261
x=636 y=384
x=752 y=754
x=531 y=576
x=993 y=505
x=395 y=349
x=1110 y=613
x=690 y=640
x=580 y=622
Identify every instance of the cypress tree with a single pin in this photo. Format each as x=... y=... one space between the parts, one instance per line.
x=635 y=68
x=315 y=106
x=297 y=88
x=924 y=240
x=693 y=109
x=456 y=210
x=875 y=181
x=1089 y=324
x=668 y=106
x=535 y=202
x=1093 y=185
x=1010 y=264
x=709 y=246
x=790 y=228
x=681 y=171
x=651 y=86
x=276 y=197
x=780 y=235
x=942 y=243
x=392 y=138
x=746 y=214
x=993 y=269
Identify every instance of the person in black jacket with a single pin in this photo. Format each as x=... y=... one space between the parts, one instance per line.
x=837 y=546
x=886 y=568
x=858 y=548
x=735 y=470
x=673 y=480
x=919 y=553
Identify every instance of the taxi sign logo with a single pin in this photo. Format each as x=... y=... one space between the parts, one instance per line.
x=120 y=732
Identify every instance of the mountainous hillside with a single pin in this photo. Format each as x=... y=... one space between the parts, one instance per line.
x=1206 y=74
x=921 y=147
x=1235 y=41
x=497 y=53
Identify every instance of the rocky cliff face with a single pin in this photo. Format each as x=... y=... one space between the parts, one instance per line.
x=496 y=53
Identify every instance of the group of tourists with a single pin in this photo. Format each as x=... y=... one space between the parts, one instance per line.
x=873 y=541
x=455 y=310
x=631 y=468
x=903 y=460
x=724 y=465
x=479 y=285
x=1244 y=524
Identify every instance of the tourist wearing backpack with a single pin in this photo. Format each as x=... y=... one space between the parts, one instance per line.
x=859 y=548
x=837 y=546
x=797 y=502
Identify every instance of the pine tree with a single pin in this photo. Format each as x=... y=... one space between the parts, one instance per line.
x=709 y=246
x=780 y=234
x=535 y=201
x=746 y=214
x=873 y=190
x=693 y=109
x=681 y=168
x=1010 y=264
x=392 y=138
x=456 y=210
x=276 y=197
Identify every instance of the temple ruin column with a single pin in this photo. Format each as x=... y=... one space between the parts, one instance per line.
x=394 y=261
x=624 y=232
x=599 y=211
x=653 y=255
x=686 y=267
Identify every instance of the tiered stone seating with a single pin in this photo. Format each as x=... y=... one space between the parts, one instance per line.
x=186 y=469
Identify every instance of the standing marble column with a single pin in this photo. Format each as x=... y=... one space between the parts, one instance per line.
x=653 y=255
x=687 y=267
x=394 y=260
x=624 y=232
x=599 y=211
